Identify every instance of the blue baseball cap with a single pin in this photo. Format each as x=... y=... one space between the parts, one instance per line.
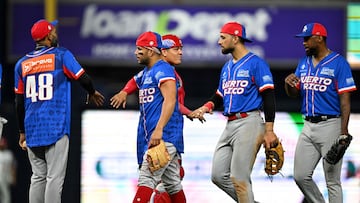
x=313 y=29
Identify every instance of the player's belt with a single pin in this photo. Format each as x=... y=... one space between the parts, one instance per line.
x=317 y=119
x=237 y=116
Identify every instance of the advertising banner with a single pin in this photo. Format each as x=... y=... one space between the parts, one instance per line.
x=106 y=34
x=109 y=171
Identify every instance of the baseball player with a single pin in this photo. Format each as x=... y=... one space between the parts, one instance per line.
x=323 y=80
x=43 y=101
x=171 y=53
x=160 y=118
x=245 y=87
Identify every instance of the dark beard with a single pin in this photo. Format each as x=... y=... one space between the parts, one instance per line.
x=227 y=51
x=54 y=43
x=144 y=62
x=311 y=52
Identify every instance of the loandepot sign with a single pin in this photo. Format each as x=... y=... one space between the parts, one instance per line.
x=107 y=33
x=201 y=25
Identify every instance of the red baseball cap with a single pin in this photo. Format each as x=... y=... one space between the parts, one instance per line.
x=313 y=29
x=42 y=28
x=149 y=39
x=235 y=28
x=170 y=41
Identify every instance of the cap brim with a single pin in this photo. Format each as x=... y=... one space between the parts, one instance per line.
x=246 y=40
x=303 y=35
x=54 y=23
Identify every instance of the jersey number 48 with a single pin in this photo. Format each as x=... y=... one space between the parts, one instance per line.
x=40 y=89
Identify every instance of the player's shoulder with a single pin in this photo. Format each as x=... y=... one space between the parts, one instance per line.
x=20 y=60
x=163 y=66
x=61 y=50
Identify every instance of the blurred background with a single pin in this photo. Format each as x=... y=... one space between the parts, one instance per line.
x=102 y=33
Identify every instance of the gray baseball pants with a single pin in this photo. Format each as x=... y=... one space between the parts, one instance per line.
x=168 y=175
x=314 y=142
x=48 y=166
x=235 y=155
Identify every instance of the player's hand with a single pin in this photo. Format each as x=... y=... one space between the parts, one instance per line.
x=155 y=137
x=118 y=99
x=189 y=117
x=97 y=98
x=270 y=139
x=292 y=80
x=22 y=142
x=199 y=113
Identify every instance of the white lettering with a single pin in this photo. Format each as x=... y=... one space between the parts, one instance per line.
x=127 y=23
x=146 y=95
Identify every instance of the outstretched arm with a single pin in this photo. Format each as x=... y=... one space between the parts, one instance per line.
x=93 y=95
x=120 y=98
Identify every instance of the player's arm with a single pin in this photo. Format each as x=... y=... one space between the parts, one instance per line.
x=20 y=111
x=20 y=115
x=120 y=97
x=168 y=91
x=73 y=70
x=292 y=84
x=93 y=95
x=345 y=111
x=268 y=96
x=216 y=101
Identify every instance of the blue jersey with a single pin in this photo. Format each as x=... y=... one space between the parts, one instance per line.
x=320 y=86
x=241 y=83
x=43 y=77
x=150 y=100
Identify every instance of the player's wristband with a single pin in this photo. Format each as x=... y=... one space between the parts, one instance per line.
x=209 y=105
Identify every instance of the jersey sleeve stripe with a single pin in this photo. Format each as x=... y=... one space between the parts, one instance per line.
x=20 y=87
x=162 y=80
x=347 y=89
x=71 y=75
x=267 y=86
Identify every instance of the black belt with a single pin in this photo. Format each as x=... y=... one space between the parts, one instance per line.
x=317 y=119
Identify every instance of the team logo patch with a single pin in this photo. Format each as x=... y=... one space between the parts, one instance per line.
x=327 y=71
x=267 y=78
x=148 y=80
x=159 y=74
x=350 y=81
x=243 y=73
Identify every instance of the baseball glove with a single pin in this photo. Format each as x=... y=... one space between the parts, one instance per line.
x=274 y=158
x=158 y=156
x=337 y=150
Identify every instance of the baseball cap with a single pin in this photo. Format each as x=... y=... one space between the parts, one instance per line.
x=42 y=28
x=170 y=41
x=149 y=39
x=235 y=28
x=313 y=29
